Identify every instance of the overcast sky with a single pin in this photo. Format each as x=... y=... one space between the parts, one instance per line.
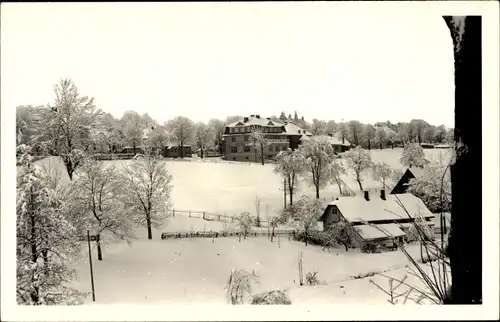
x=329 y=61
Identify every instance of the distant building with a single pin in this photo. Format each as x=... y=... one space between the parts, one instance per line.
x=237 y=138
x=378 y=218
x=174 y=151
x=338 y=145
x=404 y=182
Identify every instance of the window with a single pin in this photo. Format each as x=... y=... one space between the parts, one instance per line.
x=234 y=149
x=231 y=130
x=246 y=138
x=233 y=138
x=246 y=149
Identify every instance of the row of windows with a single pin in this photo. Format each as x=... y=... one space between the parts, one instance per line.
x=273 y=148
x=246 y=129
x=247 y=138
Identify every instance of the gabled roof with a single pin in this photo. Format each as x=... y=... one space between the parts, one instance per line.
x=255 y=121
x=293 y=129
x=357 y=209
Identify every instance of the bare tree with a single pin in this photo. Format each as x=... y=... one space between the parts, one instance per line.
x=245 y=222
x=96 y=200
x=369 y=134
x=66 y=127
x=147 y=189
x=413 y=155
x=318 y=154
x=343 y=131
x=217 y=128
x=132 y=128
x=318 y=127
x=355 y=129
x=337 y=171
x=290 y=164
x=303 y=215
x=381 y=172
x=201 y=137
x=45 y=240
x=257 y=211
x=259 y=141
x=181 y=128
x=380 y=137
x=359 y=160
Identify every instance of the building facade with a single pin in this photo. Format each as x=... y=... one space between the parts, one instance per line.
x=238 y=140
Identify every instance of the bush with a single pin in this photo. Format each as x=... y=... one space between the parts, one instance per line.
x=371 y=248
x=274 y=297
x=314 y=237
x=239 y=286
x=312 y=278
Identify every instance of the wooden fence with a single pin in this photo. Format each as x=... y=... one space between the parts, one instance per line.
x=215 y=234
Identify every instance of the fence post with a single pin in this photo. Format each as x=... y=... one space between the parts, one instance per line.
x=91 y=270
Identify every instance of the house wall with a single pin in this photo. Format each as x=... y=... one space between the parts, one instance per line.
x=332 y=217
x=400 y=186
x=238 y=147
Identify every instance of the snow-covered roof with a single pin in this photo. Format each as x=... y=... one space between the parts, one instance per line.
x=291 y=128
x=333 y=139
x=358 y=209
x=253 y=120
x=370 y=232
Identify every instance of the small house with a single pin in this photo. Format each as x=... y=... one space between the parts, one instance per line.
x=174 y=151
x=378 y=218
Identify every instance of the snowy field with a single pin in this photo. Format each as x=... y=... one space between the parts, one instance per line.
x=195 y=271
x=231 y=187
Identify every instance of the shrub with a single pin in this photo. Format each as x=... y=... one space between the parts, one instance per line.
x=239 y=286
x=371 y=248
x=312 y=278
x=274 y=297
x=314 y=237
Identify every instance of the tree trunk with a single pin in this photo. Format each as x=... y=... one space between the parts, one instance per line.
x=466 y=262
x=201 y=152
x=133 y=147
x=98 y=242
x=290 y=193
x=346 y=247
x=358 y=179
x=340 y=187
x=306 y=236
x=262 y=154
x=148 y=223
x=369 y=146
x=380 y=145
x=45 y=254
x=317 y=191
x=392 y=145
x=181 y=153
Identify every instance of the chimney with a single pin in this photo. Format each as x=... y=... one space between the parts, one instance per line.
x=367 y=196
x=245 y=119
x=382 y=194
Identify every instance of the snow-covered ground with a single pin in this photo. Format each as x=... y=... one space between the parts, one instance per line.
x=195 y=271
